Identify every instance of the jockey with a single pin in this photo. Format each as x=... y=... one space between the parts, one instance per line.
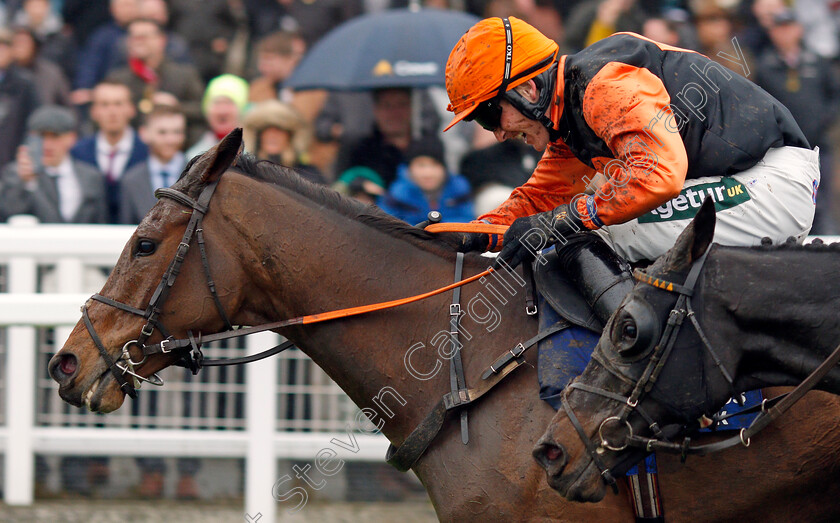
x=636 y=135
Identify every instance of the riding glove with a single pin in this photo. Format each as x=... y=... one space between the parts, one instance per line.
x=540 y=230
x=473 y=241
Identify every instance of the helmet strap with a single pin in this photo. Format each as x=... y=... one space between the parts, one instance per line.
x=538 y=110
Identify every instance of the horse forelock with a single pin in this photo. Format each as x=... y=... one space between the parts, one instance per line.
x=288 y=179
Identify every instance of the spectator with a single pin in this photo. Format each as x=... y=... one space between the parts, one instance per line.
x=821 y=33
x=423 y=184
x=495 y=170
x=115 y=147
x=96 y=57
x=48 y=183
x=55 y=44
x=177 y=48
x=593 y=20
x=383 y=149
x=156 y=80
x=673 y=27
x=18 y=98
x=808 y=86
x=223 y=105
x=85 y=17
x=715 y=30
x=361 y=183
x=51 y=83
x=277 y=55
x=311 y=19
x=208 y=26
x=274 y=131
x=164 y=132
x=661 y=30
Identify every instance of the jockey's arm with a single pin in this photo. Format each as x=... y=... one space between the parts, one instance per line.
x=630 y=110
x=557 y=178
x=624 y=105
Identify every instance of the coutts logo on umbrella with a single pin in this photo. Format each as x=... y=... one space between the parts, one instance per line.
x=404 y=68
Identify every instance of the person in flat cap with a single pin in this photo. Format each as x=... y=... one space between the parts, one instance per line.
x=45 y=181
x=18 y=98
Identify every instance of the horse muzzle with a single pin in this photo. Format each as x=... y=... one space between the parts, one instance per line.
x=95 y=389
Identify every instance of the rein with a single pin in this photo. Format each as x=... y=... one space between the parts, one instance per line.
x=770 y=409
x=190 y=347
x=403 y=456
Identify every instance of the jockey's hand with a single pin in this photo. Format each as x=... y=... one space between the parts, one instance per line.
x=473 y=241
x=530 y=234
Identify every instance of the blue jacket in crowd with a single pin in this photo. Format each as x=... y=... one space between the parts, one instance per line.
x=406 y=201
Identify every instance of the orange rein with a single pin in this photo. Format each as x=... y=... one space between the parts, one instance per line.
x=436 y=227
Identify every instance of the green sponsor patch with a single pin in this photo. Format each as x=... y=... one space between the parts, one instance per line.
x=726 y=194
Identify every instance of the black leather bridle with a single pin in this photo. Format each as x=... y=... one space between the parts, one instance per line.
x=770 y=409
x=189 y=348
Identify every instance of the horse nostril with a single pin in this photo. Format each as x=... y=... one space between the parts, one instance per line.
x=63 y=367
x=550 y=455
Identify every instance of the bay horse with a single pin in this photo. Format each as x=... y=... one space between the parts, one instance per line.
x=751 y=317
x=279 y=247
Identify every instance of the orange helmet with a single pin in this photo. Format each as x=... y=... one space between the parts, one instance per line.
x=495 y=55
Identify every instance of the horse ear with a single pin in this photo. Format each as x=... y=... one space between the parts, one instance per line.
x=695 y=239
x=218 y=159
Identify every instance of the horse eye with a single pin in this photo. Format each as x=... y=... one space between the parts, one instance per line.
x=146 y=247
x=629 y=329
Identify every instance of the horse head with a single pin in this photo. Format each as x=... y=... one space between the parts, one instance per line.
x=588 y=442
x=102 y=361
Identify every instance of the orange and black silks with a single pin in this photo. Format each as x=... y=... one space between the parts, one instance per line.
x=648 y=116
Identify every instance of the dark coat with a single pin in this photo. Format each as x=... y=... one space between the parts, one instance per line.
x=18 y=99
x=85 y=151
x=43 y=203
x=136 y=196
x=811 y=90
x=97 y=55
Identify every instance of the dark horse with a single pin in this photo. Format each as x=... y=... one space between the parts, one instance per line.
x=279 y=247
x=769 y=315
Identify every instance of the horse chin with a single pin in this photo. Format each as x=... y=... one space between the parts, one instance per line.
x=585 y=486
x=104 y=395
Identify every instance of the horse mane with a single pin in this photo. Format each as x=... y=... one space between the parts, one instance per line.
x=817 y=245
x=289 y=179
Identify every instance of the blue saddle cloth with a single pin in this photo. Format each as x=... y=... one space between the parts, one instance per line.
x=565 y=354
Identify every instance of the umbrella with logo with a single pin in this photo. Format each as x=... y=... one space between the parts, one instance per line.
x=393 y=48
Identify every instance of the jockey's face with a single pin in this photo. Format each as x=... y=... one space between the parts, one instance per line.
x=514 y=124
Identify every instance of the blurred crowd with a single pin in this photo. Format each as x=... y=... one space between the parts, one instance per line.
x=103 y=101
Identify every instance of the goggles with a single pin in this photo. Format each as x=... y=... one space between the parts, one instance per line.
x=488 y=114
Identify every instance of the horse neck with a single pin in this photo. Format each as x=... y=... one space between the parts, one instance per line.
x=774 y=313
x=337 y=263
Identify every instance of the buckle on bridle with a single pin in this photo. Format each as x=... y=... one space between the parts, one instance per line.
x=163 y=345
x=530 y=311
x=146 y=333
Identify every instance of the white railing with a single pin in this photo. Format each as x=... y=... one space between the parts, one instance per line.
x=283 y=407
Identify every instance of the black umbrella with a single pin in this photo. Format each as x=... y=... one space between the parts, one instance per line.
x=394 y=48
